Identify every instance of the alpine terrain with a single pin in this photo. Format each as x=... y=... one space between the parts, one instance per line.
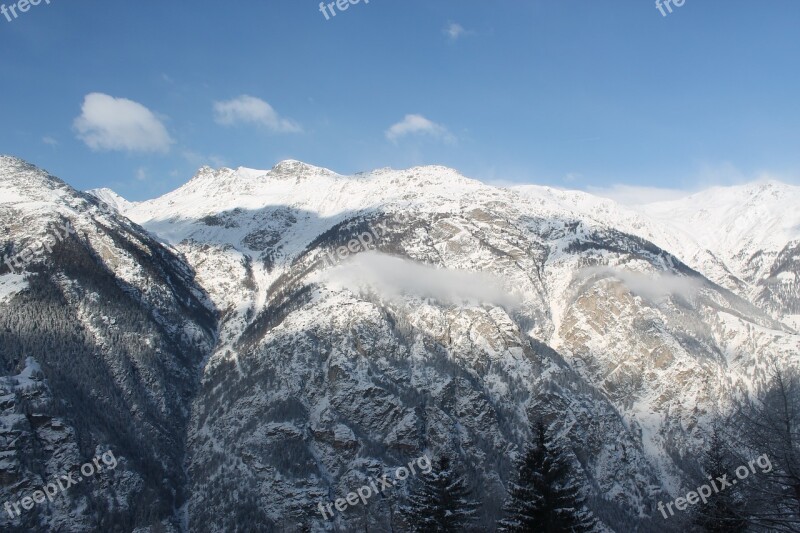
x=259 y=343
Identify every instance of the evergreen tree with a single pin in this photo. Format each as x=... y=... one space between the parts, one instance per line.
x=769 y=425
x=723 y=511
x=545 y=499
x=440 y=501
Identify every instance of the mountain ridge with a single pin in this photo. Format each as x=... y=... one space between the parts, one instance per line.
x=698 y=236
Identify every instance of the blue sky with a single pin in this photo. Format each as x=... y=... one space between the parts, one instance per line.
x=582 y=94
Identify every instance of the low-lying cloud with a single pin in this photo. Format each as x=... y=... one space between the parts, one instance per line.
x=393 y=277
x=649 y=286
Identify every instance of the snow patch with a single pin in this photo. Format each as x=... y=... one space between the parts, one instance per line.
x=10 y=285
x=30 y=376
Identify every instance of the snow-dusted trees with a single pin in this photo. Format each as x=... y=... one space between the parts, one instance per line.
x=722 y=511
x=440 y=501
x=545 y=497
x=769 y=426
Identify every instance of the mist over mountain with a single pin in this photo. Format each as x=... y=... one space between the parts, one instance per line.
x=258 y=342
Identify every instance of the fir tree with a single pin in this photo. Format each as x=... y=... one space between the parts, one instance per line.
x=440 y=501
x=544 y=498
x=723 y=511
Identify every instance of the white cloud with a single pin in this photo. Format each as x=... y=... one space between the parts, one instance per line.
x=141 y=174
x=251 y=110
x=49 y=141
x=454 y=31
x=649 y=286
x=418 y=125
x=108 y=123
x=393 y=278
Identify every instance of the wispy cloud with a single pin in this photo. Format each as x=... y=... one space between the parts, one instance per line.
x=119 y=124
x=418 y=125
x=649 y=286
x=141 y=174
x=454 y=31
x=251 y=110
x=49 y=141
x=393 y=277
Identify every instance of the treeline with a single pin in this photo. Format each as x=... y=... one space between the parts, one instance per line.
x=750 y=469
x=753 y=458
x=545 y=496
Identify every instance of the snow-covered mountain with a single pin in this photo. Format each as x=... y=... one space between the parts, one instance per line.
x=744 y=238
x=755 y=229
x=359 y=321
x=112 y=199
x=95 y=353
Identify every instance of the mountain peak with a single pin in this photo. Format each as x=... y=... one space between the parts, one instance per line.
x=22 y=181
x=112 y=199
x=11 y=166
x=207 y=178
x=289 y=168
x=289 y=164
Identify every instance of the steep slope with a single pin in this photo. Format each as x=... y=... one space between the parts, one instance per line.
x=755 y=228
x=636 y=220
x=743 y=238
x=779 y=289
x=103 y=312
x=112 y=199
x=741 y=223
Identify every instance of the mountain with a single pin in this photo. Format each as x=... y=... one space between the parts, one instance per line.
x=744 y=238
x=756 y=229
x=326 y=329
x=92 y=344
x=111 y=199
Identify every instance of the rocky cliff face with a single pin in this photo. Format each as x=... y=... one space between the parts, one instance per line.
x=358 y=322
x=98 y=308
